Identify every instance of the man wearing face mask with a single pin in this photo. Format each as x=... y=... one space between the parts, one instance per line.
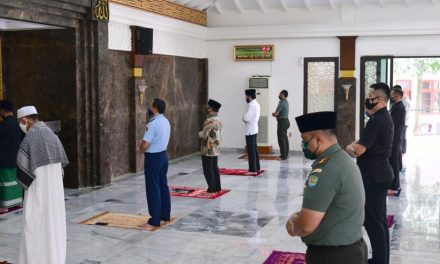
x=251 y=119
x=211 y=138
x=373 y=151
x=398 y=113
x=154 y=147
x=10 y=138
x=40 y=161
x=282 y=115
x=332 y=214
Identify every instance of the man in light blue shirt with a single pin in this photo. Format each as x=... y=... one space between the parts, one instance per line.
x=154 y=145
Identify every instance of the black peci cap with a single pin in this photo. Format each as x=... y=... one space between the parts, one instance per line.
x=250 y=92
x=6 y=105
x=214 y=105
x=316 y=121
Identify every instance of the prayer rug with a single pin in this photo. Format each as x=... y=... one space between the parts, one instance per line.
x=279 y=257
x=239 y=172
x=124 y=221
x=5 y=262
x=393 y=193
x=390 y=220
x=11 y=209
x=195 y=192
x=263 y=157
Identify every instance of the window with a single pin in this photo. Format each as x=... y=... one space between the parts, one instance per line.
x=320 y=80
x=426 y=84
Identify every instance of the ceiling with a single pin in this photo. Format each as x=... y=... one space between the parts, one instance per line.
x=14 y=25
x=242 y=6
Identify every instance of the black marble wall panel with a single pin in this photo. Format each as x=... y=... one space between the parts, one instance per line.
x=114 y=103
x=346 y=112
x=182 y=83
x=39 y=69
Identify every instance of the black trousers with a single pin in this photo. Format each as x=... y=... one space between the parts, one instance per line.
x=356 y=253
x=396 y=164
x=253 y=156
x=283 y=140
x=404 y=140
x=375 y=221
x=156 y=183
x=211 y=172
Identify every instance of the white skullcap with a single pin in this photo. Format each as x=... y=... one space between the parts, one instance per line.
x=26 y=111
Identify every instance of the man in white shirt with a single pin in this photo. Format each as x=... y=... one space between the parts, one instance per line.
x=251 y=129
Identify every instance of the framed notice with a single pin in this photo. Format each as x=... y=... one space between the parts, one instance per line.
x=254 y=53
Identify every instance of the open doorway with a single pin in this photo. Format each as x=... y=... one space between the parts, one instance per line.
x=38 y=67
x=419 y=78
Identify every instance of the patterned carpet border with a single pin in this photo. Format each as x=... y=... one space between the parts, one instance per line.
x=280 y=257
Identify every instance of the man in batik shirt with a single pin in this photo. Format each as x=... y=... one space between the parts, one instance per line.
x=211 y=138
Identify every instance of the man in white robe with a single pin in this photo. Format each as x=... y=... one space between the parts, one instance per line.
x=41 y=160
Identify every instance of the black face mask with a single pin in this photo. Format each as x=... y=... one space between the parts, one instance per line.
x=150 y=113
x=369 y=103
x=248 y=100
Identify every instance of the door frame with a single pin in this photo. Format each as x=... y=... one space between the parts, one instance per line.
x=362 y=82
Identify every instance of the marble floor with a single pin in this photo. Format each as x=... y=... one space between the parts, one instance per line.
x=242 y=226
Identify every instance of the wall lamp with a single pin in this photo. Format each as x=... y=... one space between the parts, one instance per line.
x=346 y=88
x=141 y=89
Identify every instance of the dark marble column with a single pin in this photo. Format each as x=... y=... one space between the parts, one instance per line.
x=346 y=92
x=346 y=110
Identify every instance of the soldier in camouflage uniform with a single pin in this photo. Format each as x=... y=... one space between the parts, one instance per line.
x=211 y=138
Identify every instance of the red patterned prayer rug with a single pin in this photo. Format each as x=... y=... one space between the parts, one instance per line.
x=279 y=257
x=239 y=172
x=390 y=220
x=11 y=209
x=263 y=157
x=195 y=192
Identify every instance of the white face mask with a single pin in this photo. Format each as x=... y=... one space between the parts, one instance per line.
x=23 y=128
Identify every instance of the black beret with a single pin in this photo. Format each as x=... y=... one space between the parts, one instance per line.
x=316 y=121
x=250 y=92
x=214 y=104
x=6 y=105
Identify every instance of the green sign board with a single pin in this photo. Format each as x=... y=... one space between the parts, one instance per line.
x=254 y=52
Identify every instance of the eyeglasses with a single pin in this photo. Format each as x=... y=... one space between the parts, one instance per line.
x=305 y=144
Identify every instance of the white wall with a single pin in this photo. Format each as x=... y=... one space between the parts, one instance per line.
x=170 y=36
x=228 y=80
